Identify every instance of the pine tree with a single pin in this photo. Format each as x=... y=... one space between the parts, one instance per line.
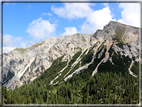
x=3 y=102
x=51 y=94
x=38 y=94
x=36 y=101
x=9 y=97
x=47 y=96
x=87 y=93
x=74 y=99
x=29 y=100
x=56 y=100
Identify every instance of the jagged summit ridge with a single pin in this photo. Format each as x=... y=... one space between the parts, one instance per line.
x=111 y=28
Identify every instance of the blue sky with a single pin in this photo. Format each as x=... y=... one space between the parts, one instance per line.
x=27 y=23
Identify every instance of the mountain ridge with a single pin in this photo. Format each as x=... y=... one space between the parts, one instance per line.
x=35 y=59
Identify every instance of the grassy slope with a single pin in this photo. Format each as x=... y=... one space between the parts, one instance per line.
x=22 y=50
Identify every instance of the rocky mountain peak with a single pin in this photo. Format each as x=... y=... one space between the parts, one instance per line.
x=115 y=28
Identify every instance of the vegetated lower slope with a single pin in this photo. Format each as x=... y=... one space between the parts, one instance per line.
x=112 y=84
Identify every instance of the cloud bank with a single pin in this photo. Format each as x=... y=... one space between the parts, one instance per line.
x=94 y=19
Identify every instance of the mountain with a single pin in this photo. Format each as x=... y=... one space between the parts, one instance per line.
x=76 y=53
x=98 y=68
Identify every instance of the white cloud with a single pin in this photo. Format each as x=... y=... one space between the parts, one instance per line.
x=73 y=10
x=8 y=40
x=8 y=49
x=96 y=20
x=100 y=17
x=23 y=44
x=120 y=20
x=11 y=43
x=70 y=31
x=48 y=14
x=130 y=14
x=41 y=29
x=87 y=28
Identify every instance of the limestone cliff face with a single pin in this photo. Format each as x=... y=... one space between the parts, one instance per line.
x=24 y=65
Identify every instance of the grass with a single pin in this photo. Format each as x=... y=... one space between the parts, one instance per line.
x=118 y=37
x=35 y=45
x=22 y=50
x=95 y=45
x=60 y=78
x=135 y=68
x=120 y=64
x=87 y=58
x=102 y=45
x=99 y=30
x=37 y=70
x=75 y=57
x=83 y=39
x=51 y=72
x=75 y=68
